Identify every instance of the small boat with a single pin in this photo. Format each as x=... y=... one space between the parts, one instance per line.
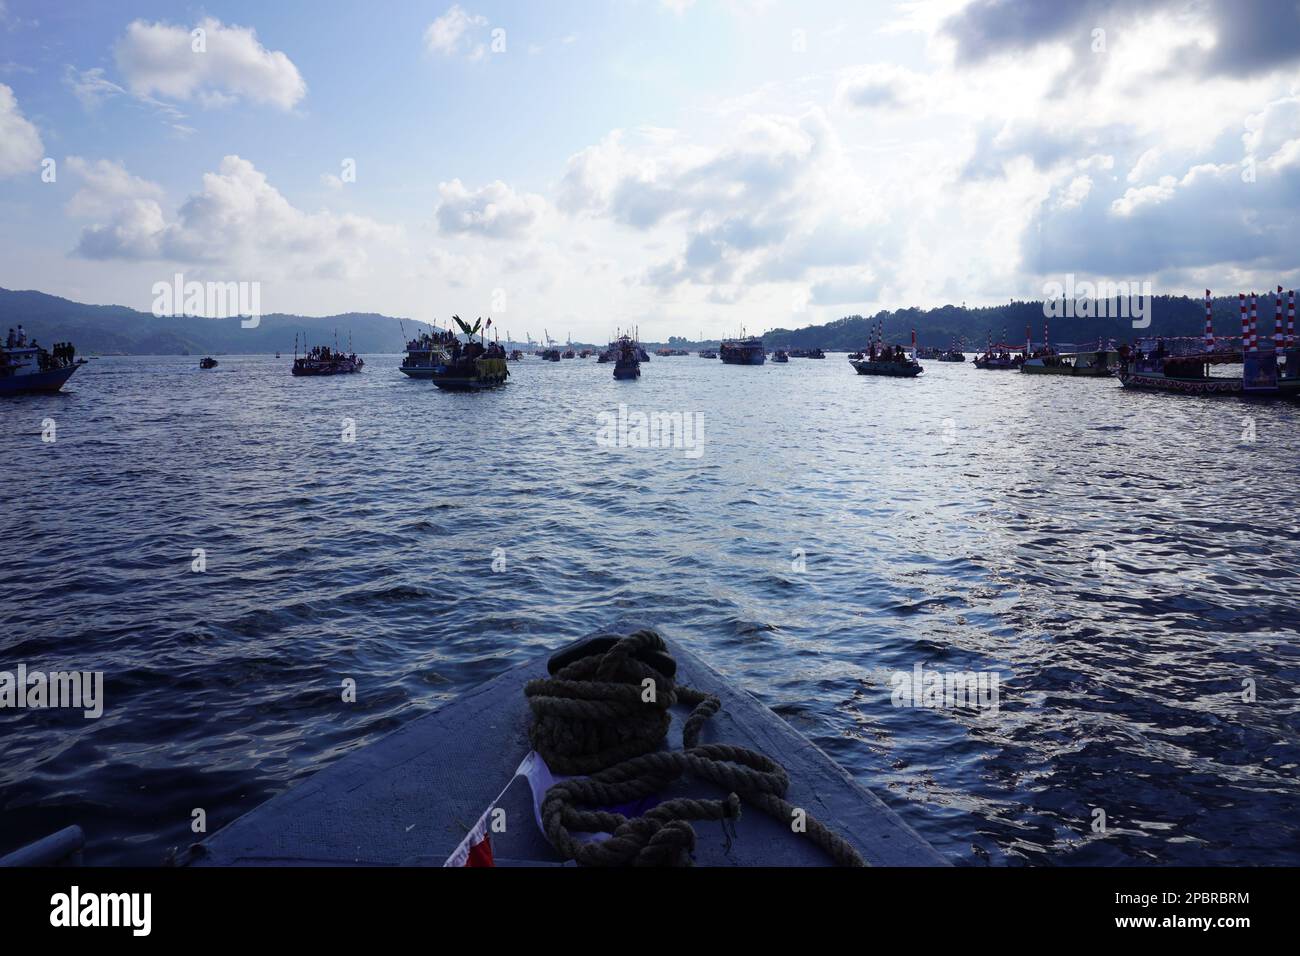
x=585 y=353
x=31 y=369
x=425 y=353
x=1097 y=364
x=412 y=798
x=551 y=355
x=323 y=360
x=951 y=356
x=515 y=356
x=707 y=354
x=628 y=363
x=1001 y=357
x=277 y=354
x=207 y=362
x=781 y=355
x=816 y=354
x=743 y=351
x=888 y=364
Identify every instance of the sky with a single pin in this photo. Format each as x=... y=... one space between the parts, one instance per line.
x=682 y=166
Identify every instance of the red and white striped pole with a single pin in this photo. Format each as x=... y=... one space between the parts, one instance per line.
x=1245 y=322
x=1290 y=320
x=1254 y=322
x=1277 y=322
x=1209 y=323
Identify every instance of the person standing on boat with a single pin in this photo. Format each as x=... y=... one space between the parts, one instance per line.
x=22 y=336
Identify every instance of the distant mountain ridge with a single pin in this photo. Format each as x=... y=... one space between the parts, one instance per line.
x=113 y=329
x=110 y=329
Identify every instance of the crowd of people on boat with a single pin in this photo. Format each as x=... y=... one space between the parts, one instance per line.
x=60 y=355
x=438 y=338
x=471 y=350
x=324 y=355
x=886 y=353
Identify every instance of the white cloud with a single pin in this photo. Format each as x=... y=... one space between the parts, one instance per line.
x=452 y=31
x=159 y=59
x=20 y=143
x=237 y=220
x=106 y=187
x=495 y=211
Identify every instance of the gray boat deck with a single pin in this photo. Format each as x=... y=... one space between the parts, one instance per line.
x=410 y=798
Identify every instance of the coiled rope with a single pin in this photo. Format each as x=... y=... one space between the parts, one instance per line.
x=594 y=717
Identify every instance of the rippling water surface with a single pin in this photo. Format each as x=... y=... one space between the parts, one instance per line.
x=1124 y=562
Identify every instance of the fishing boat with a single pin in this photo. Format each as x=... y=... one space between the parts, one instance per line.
x=1100 y=363
x=31 y=369
x=781 y=356
x=472 y=366
x=323 y=360
x=743 y=351
x=628 y=363
x=879 y=358
x=608 y=354
x=428 y=793
x=816 y=354
x=425 y=353
x=707 y=354
x=585 y=353
x=954 y=353
x=892 y=362
x=550 y=355
x=1001 y=357
x=207 y=362
x=1266 y=372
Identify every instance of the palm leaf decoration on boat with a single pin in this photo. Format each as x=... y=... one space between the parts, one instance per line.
x=465 y=327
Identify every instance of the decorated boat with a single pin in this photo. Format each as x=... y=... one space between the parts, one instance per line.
x=323 y=360
x=426 y=352
x=31 y=369
x=743 y=351
x=628 y=363
x=880 y=358
x=472 y=366
x=1266 y=371
x=1100 y=363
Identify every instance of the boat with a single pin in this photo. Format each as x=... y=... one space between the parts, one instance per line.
x=816 y=354
x=277 y=354
x=888 y=360
x=891 y=362
x=609 y=354
x=1100 y=363
x=550 y=355
x=31 y=369
x=1001 y=357
x=207 y=362
x=424 y=353
x=707 y=354
x=515 y=356
x=472 y=366
x=1264 y=373
x=952 y=355
x=412 y=798
x=323 y=360
x=628 y=363
x=781 y=355
x=585 y=353
x=743 y=351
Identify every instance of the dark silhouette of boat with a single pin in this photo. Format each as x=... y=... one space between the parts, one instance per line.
x=816 y=354
x=888 y=360
x=781 y=355
x=743 y=351
x=628 y=363
x=551 y=355
x=207 y=362
x=472 y=366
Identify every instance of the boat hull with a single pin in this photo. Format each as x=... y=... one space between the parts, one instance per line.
x=441 y=772
x=888 y=369
x=38 y=383
x=743 y=359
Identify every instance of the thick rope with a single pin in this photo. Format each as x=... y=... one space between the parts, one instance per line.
x=592 y=718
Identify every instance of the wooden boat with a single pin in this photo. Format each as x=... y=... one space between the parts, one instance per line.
x=473 y=367
x=207 y=362
x=30 y=369
x=1001 y=357
x=551 y=355
x=743 y=351
x=424 y=353
x=411 y=798
x=1096 y=364
x=1264 y=373
x=892 y=368
x=951 y=356
x=628 y=363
